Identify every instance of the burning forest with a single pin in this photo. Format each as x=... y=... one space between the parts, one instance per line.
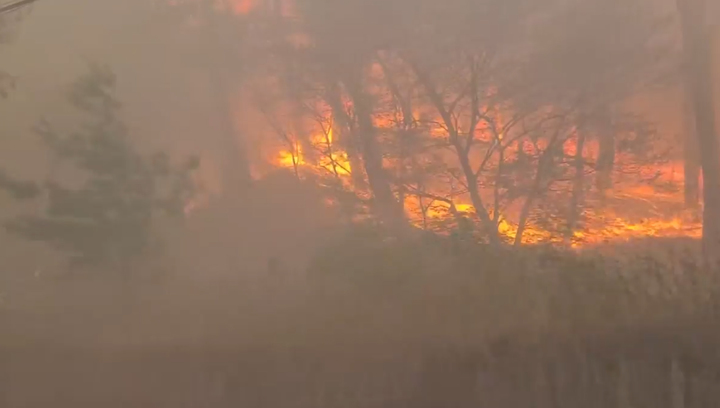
x=321 y=203
x=508 y=139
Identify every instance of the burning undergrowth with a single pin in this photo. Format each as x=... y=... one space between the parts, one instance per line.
x=457 y=138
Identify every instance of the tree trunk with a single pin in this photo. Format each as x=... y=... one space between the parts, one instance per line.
x=524 y=217
x=691 y=162
x=489 y=226
x=345 y=139
x=606 y=155
x=544 y=164
x=578 y=187
x=386 y=204
x=699 y=73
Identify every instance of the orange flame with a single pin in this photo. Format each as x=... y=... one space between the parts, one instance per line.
x=329 y=157
x=320 y=153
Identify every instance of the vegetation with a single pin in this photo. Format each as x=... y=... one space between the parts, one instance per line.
x=518 y=134
x=413 y=203
x=408 y=322
x=107 y=221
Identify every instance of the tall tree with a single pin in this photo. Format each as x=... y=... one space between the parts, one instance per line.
x=698 y=68
x=691 y=154
x=503 y=81
x=106 y=222
x=337 y=53
x=606 y=152
x=580 y=65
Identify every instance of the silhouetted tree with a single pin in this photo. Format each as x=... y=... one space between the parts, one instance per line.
x=697 y=44
x=507 y=83
x=691 y=155
x=106 y=222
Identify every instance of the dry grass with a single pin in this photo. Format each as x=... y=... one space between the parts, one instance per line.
x=379 y=324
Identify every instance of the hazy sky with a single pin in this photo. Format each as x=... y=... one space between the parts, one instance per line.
x=165 y=94
x=164 y=97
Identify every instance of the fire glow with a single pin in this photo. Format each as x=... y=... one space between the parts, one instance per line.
x=327 y=156
x=607 y=224
x=636 y=206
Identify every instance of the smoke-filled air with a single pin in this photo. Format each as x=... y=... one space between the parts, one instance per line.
x=359 y=203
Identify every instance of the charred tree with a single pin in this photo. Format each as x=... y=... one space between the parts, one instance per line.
x=578 y=190
x=387 y=206
x=691 y=162
x=697 y=44
x=462 y=144
x=345 y=127
x=606 y=154
x=541 y=181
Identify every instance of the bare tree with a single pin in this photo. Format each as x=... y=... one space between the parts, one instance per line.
x=505 y=87
x=697 y=43
x=691 y=154
x=606 y=152
x=334 y=67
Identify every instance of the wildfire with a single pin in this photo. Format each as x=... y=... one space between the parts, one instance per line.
x=325 y=155
x=613 y=221
x=291 y=159
x=601 y=227
x=644 y=201
x=618 y=228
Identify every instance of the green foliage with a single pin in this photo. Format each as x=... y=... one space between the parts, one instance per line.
x=107 y=221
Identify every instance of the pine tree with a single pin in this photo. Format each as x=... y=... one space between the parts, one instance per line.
x=107 y=222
